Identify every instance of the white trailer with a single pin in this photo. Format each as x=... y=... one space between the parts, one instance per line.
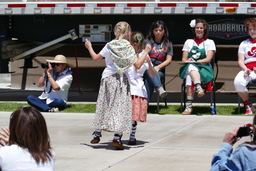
x=44 y=22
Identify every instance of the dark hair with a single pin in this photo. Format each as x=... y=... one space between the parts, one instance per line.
x=165 y=39
x=28 y=130
x=206 y=27
x=137 y=37
x=250 y=22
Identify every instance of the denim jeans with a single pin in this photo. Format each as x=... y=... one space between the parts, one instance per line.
x=152 y=83
x=41 y=105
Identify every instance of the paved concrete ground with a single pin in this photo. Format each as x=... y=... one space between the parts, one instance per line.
x=165 y=142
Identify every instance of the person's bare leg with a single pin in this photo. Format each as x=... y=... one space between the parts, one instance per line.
x=190 y=96
x=243 y=95
x=195 y=76
x=190 y=92
x=247 y=104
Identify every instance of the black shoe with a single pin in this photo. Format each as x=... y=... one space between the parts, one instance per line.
x=132 y=141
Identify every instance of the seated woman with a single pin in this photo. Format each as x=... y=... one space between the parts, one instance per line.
x=247 y=63
x=26 y=142
x=199 y=49
x=160 y=55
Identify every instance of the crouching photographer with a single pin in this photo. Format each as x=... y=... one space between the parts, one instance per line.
x=56 y=80
x=243 y=158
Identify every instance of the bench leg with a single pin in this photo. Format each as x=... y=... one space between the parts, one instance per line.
x=239 y=102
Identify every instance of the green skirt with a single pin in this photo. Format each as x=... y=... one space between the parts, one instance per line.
x=205 y=70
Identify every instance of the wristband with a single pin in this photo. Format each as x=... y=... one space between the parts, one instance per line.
x=43 y=76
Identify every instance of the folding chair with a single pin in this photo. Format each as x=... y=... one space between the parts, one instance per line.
x=251 y=84
x=212 y=91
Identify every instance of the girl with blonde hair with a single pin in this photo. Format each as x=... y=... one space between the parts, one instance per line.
x=114 y=106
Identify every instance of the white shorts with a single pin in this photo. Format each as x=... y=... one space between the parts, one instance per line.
x=241 y=81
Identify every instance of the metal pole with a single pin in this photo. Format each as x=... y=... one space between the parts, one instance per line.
x=71 y=35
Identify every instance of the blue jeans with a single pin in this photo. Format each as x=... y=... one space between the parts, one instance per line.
x=41 y=105
x=152 y=83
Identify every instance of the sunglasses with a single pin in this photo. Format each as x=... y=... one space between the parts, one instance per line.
x=58 y=64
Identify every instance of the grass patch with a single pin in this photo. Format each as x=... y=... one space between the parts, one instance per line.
x=198 y=110
x=80 y=108
x=152 y=109
x=10 y=107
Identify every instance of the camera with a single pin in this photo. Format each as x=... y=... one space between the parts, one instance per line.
x=243 y=131
x=45 y=65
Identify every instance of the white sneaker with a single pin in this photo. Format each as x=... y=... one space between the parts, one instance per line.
x=54 y=109
x=162 y=93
